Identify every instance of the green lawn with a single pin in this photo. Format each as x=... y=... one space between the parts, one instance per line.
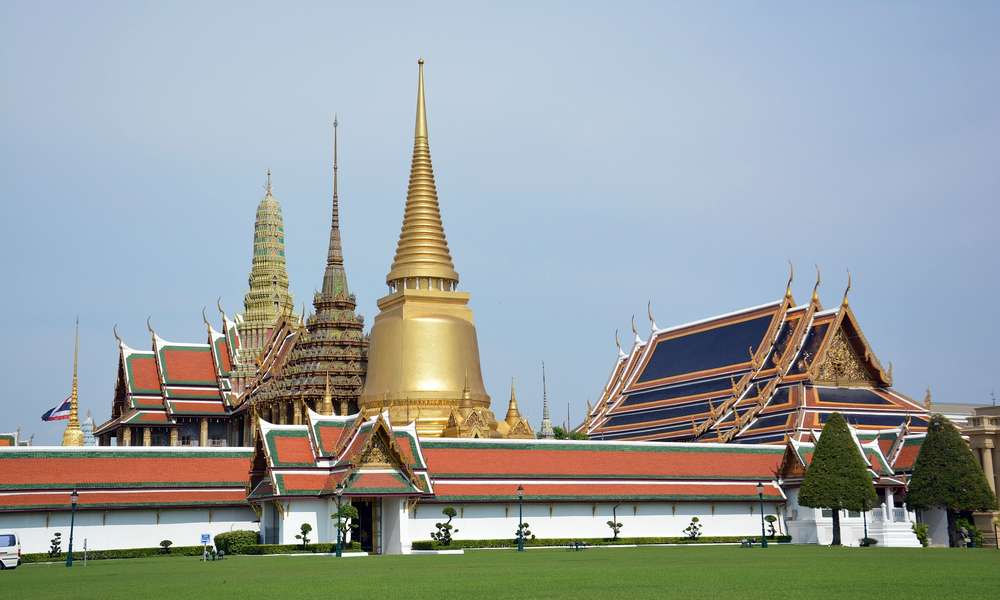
x=633 y=573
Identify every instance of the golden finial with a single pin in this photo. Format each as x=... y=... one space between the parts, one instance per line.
x=618 y=343
x=327 y=397
x=649 y=313
x=512 y=411
x=115 y=331
x=218 y=304
x=149 y=326
x=204 y=319
x=847 y=289
x=635 y=332
x=73 y=435
x=422 y=250
x=791 y=277
x=927 y=398
x=815 y=296
x=267 y=186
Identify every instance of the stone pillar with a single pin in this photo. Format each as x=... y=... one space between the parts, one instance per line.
x=174 y=440
x=988 y=464
x=147 y=436
x=890 y=504
x=203 y=434
x=296 y=413
x=127 y=436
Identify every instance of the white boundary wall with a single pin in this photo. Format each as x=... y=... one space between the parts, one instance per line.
x=477 y=521
x=124 y=528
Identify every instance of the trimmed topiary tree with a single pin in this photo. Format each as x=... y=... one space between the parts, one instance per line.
x=693 y=530
x=947 y=475
x=304 y=536
x=444 y=530
x=771 y=520
x=837 y=477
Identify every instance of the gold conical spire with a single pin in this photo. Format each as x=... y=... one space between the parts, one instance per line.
x=513 y=414
x=422 y=251
x=73 y=436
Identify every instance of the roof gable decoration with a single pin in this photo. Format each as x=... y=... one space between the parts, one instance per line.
x=845 y=356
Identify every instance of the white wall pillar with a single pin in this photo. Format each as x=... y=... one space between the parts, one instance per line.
x=395 y=526
x=890 y=504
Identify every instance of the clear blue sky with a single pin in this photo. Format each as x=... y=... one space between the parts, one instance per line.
x=588 y=157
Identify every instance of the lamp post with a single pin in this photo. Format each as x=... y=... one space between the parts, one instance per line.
x=520 y=518
x=339 y=492
x=763 y=534
x=72 y=521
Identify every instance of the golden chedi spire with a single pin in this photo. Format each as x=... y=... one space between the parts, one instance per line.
x=73 y=436
x=422 y=250
x=423 y=359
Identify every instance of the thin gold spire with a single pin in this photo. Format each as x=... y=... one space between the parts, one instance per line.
x=512 y=411
x=73 y=436
x=422 y=251
x=267 y=186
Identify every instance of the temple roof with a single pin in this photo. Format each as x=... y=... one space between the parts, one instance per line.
x=33 y=478
x=757 y=375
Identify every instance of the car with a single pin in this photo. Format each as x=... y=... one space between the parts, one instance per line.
x=10 y=551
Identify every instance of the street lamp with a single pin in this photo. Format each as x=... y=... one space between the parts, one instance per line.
x=864 y=515
x=520 y=518
x=73 y=498
x=763 y=534
x=339 y=492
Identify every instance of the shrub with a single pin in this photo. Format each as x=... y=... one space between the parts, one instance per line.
x=121 y=553
x=868 y=541
x=258 y=549
x=771 y=519
x=920 y=530
x=235 y=542
x=444 y=530
x=523 y=532
x=693 y=531
x=536 y=542
x=165 y=546
x=304 y=536
x=969 y=532
x=616 y=528
x=55 y=547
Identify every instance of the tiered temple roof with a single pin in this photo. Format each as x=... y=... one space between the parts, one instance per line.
x=321 y=366
x=759 y=375
x=33 y=478
x=172 y=380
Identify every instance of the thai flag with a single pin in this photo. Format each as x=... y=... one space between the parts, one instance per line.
x=59 y=413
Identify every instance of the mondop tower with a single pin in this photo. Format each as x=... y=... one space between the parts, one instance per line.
x=423 y=361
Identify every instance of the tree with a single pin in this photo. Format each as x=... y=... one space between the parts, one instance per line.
x=560 y=434
x=616 y=528
x=838 y=477
x=444 y=530
x=771 y=519
x=344 y=515
x=946 y=475
x=304 y=536
x=165 y=546
x=55 y=545
x=523 y=532
x=693 y=530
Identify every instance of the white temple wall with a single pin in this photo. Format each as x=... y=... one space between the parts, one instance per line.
x=589 y=520
x=395 y=526
x=124 y=528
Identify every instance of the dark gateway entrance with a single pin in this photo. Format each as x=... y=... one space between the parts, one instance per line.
x=367 y=529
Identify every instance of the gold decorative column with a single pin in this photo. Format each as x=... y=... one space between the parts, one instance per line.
x=423 y=358
x=147 y=436
x=127 y=436
x=203 y=434
x=73 y=435
x=174 y=441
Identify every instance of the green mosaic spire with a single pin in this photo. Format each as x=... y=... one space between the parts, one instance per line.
x=268 y=297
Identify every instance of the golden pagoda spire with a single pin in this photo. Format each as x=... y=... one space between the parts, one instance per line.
x=73 y=436
x=422 y=250
x=513 y=414
x=815 y=296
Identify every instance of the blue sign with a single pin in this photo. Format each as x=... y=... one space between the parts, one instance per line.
x=205 y=539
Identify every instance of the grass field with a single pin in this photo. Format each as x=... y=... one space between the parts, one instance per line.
x=633 y=573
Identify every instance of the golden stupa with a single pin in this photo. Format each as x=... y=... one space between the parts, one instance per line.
x=423 y=357
x=73 y=435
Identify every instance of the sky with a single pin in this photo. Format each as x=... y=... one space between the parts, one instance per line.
x=590 y=157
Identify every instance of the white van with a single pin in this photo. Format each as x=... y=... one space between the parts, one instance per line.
x=10 y=551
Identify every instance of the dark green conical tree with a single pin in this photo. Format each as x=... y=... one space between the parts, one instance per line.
x=838 y=477
x=947 y=475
